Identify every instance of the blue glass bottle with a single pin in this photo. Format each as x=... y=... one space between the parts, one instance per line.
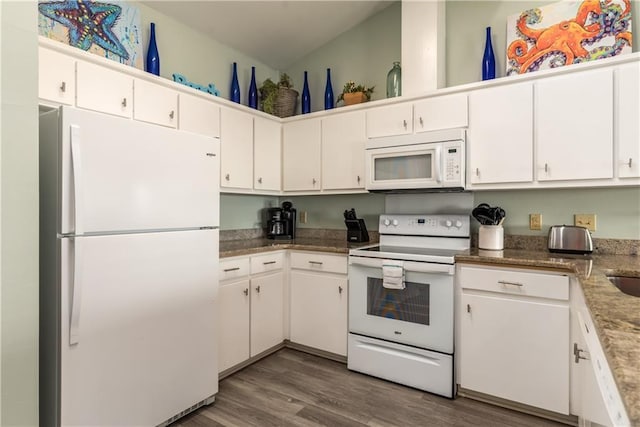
x=306 y=97
x=253 y=90
x=488 y=59
x=235 y=87
x=153 y=59
x=328 y=92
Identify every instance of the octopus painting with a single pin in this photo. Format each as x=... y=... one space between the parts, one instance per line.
x=598 y=29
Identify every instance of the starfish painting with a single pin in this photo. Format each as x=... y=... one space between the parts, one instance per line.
x=88 y=23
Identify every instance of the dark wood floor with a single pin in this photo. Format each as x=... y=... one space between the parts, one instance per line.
x=291 y=388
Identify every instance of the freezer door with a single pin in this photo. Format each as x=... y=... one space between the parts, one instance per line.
x=137 y=326
x=123 y=175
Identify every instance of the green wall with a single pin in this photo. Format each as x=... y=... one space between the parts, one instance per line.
x=200 y=58
x=327 y=211
x=364 y=54
x=239 y=211
x=18 y=213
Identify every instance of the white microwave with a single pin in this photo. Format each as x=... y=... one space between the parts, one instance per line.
x=424 y=161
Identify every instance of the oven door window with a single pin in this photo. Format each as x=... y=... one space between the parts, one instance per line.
x=410 y=166
x=410 y=304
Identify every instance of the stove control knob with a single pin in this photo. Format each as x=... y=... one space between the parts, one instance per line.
x=386 y=222
x=448 y=223
x=458 y=224
x=394 y=222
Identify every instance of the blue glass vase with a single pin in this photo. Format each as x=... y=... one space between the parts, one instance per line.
x=153 y=59
x=328 y=92
x=488 y=59
x=235 y=87
x=306 y=97
x=253 y=90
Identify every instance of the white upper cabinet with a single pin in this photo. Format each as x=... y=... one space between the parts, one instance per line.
x=500 y=136
x=267 y=151
x=198 y=115
x=236 y=142
x=105 y=90
x=56 y=77
x=155 y=104
x=441 y=112
x=627 y=122
x=391 y=120
x=343 y=138
x=574 y=126
x=301 y=155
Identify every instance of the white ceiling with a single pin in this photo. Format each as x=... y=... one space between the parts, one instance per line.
x=278 y=33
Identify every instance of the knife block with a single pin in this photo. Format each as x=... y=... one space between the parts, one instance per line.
x=356 y=231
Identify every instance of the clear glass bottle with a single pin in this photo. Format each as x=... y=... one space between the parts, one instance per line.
x=394 y=81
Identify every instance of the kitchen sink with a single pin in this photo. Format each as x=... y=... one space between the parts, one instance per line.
x=628 y=285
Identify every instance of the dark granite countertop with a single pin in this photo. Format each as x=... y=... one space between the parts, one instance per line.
x=616 y=315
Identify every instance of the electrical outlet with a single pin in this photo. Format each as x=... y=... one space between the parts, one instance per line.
x=303 y=217
x=585 y=220
x=535 y=221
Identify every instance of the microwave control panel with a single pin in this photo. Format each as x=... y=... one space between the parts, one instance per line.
x=453 y=156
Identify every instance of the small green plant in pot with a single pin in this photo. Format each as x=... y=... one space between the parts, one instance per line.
x=278 y=99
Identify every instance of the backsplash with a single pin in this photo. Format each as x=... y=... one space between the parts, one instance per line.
x=301 y=233
x=539 y=243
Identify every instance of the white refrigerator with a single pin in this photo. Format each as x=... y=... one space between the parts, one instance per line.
x=129 y=216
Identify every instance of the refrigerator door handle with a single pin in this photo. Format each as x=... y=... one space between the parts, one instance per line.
x=76 y=293
x=77 y=180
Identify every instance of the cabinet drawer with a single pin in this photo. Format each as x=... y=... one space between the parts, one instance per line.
x=105 y=90
x=515 y=282
x=56 y=77
x=232 y=268
x=267 y=262
x=155 y=104
x=319 y=262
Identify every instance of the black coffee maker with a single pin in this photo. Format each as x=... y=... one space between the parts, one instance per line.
x=281 y=222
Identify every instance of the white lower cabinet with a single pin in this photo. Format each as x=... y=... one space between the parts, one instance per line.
x=250 y=307
x=319 y=301
x=514 y=327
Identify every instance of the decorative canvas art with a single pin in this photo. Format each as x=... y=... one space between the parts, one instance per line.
x=109 y=29
x=567 y=32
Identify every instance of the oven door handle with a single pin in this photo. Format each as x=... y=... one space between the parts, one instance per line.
x=409 y=266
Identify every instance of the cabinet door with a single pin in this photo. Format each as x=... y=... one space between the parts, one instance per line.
x=267 y=306
x=343 y=138
x=267 y=149
x=574 y=126
x=155 y=104
x=500 y=137
x=101 y=89
x=233 y=324
x=516 y=350
x=391 y=120
x=627 y=123
x=198 y=115
x=319 y=311
x=441 y=112
x=56 y=77
x=301 y=155
x=236 y=146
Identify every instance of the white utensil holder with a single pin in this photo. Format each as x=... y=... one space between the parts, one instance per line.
x=491 y=237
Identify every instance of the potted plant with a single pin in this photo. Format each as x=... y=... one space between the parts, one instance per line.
x=278 y=98
x=355 y=94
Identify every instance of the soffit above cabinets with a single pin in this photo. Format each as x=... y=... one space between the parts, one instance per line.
x=278 y=33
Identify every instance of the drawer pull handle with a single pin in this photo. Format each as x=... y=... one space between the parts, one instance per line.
x=404 y=124
x=268 y=262
x=477 y=172
x=546 y=168
x=468 y=308
x=246 y=291
x=260 y=180
x=258 y=289
x=314 y=181
x=578 y=354
x=358 y=178
x=505 y=283
x=315 y=262
x=421 y=122
x=340 y=290
x=226 y=270
x=63 y=88
x=124 y=102
x=227 y=177
x=172 y=114
x=628 y=164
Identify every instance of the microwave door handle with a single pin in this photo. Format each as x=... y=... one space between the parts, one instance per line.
x=437 y=163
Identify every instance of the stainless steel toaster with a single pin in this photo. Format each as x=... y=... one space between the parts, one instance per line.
x=570 y=239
